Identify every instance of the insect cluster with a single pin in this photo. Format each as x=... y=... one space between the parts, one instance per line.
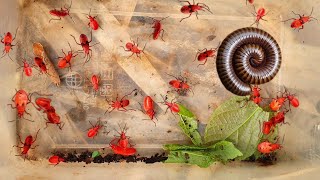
x=262 y=42
x=278 y=107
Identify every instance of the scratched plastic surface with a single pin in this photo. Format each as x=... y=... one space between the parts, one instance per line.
x=74 y=99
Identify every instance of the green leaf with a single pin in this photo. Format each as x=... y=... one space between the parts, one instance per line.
x=225 y=151
x=200 y=158
x=95 y=154
x=185 y=112
x=189 y=126
x=178 y=147
x=238 y=121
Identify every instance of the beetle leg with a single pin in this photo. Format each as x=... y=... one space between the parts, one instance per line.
x=206 y=7
x=34 y=147
x=75 y=40
x=203 y=63
x=186 y=2
x=54 y=19
x=90 y=36
x=95 y=44
x=288 y=20
x=11 y=106
x=131 y=55
x=109 y=111
x=36 y=136
x=296 y=14
x=186 y=17
x=124 y=48
x=197 y=14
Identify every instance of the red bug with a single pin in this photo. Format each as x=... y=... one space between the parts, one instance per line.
x=148 y=107
x=93 y=23
x=279 y=117
x=61 y=13
x=174 y=107
x=134 y=48
x=299 y=22
x=267 y=147
x=180 y=85
x=255 y=91
x=94 y=130
x=66 y=60
x=54 y=118
x=275 y=105
x=55 y=160
x=7 y=40
x=95 y=82
x=250 y=1
x=27 y=144
x=157 y=28
x=43 y=104
x=292 y=99
x=267 y=127
x=26 y=68
x=85 y=44
x=193 y=8
x=259 y=15
x=257 y=99
x=121 y=104
x=204 y=54
x=39 y=62
x=21 y=99
x=121 y=147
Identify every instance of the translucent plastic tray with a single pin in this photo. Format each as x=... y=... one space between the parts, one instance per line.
x=74 y=99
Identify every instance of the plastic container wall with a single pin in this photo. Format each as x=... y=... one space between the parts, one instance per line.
x=123 y=20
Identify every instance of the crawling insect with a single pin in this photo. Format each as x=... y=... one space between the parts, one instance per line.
x=93 y=23
x=148 y=108
x=85 y=44
x=277 y=103
x=204 y=54
x=299 y=22
x=61 y=13
x=267 y=147
x=26 y=68
x=66 y=60
x=21 y=99
x=53 y=118
x=134 y=48
x=157 y=28
x=292 y=99
x=94 y=130
x=121 y=104
x=193 y=8
x=43 y=104
x=121 y=145
x=27 y=144
x=42 y=66
x=259 y=15
x=180 y=85
x=55 y=160
x=173 y=106
x=7 y=40
x=95 y=82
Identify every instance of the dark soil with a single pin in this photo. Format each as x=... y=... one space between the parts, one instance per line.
x=264 y=160
x=109 y=158
x=267 y=160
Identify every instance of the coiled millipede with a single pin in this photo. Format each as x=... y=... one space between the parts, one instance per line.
x=247 y=56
